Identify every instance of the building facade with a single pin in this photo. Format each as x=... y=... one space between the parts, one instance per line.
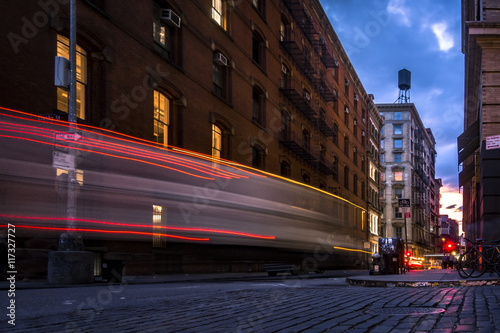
x=479 y=176
x=262 y=83
x=408 y=160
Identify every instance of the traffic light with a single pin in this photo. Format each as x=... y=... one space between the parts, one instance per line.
x=408 y=253
x=449 y=246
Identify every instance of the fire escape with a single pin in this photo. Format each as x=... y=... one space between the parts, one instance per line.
x=313 y=63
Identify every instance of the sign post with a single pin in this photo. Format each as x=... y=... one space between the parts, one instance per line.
x=405 y=206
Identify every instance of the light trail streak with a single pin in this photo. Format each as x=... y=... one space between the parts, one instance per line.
x=351 y=250
x=208 y=230
x=110 y=232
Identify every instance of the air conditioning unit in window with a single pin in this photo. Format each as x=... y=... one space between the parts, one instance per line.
x=283 y=68
x=170 y=17
x=356 y=98
x=220 y=59
x=307 y=96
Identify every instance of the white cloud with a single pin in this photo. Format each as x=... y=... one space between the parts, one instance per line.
x=396 y=7
x=445 y=39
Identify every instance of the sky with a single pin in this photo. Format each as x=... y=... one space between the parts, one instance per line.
x=382 y=37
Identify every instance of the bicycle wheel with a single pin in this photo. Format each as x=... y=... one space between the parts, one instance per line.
x=471 y=264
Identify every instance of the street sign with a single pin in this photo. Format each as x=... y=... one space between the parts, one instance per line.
x=404 y=203
x=492 y=142
x=63 y=161
x=408 y=215
x=68 y=136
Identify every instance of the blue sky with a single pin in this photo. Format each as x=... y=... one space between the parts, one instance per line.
x=383 y=36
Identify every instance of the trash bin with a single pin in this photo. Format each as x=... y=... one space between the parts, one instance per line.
x=391 y=250
x=112 y=270
x=376 y=268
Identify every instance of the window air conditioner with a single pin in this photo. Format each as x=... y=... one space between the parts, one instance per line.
x=346 y=110
x=220 y=59
x=283 y=68
x=170 y=17
x=307 y=96
x=356 y=98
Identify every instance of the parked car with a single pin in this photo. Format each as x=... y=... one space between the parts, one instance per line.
x=415 y=264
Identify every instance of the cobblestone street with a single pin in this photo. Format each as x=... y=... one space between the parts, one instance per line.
x=317 y=305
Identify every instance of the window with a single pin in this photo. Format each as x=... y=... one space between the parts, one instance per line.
x=382 y=158
x=355 y=156
x=258 y=154
x=398 y=176
x=285 y=80
x=335 y=167
x=398 y=193
x=398 y=157
x=346 y=116
x=382 y=130
x=398 y=116
x=165 y=36
x=258 y=105
x=346 y=87
x=335 y=138
x=219 y=9
x=285 y=169
x=355 y=184
x=382 y=144
x=346 y=146
x=398 y=143
x=285 y=125
x=221 y=76
x=216 y=141
x=284 y=29
x=161 y=118
x=306 y=140
x=355 y=128
x=399 y=231
x=398 y=129
x=346 y=177
x=306 y=179
x=258 y=49
x=363 y=190
x=158 y=240
x=260 y=6
x=81 y=78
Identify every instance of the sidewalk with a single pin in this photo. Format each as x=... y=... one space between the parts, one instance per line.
x=423 y=278
x=414 y=278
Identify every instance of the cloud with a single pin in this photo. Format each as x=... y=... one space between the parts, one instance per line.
x=445 y=39
x=396 y=7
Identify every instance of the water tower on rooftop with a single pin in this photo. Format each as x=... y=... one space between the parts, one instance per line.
x=404 y=84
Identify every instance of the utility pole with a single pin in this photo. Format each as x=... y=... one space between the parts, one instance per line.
x=70 y=264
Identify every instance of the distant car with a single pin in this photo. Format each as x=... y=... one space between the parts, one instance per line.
x=415 y=264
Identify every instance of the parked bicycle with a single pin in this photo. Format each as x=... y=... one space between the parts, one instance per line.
x=481 y=256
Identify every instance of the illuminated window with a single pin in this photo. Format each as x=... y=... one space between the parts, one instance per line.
x=161 y=118
x=158 y=240
x=216 y=141
x=219 y=12
x=398 y=176
x=81 y=78
x=398 y=193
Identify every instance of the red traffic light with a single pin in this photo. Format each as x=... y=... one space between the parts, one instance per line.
x=408 y=253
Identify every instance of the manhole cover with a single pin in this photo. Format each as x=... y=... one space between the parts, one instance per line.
x=405 y=311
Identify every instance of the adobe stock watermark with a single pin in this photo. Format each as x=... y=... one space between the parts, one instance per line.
x=30 y=26
x=372 y=29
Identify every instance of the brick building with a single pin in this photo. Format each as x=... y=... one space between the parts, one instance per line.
x=409 y=162
x=479 y=175
x=263 y=83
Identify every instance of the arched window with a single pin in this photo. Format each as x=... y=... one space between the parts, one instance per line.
x=81 y=78
x=161 y=118
x=258 y=105
x=216 y=141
